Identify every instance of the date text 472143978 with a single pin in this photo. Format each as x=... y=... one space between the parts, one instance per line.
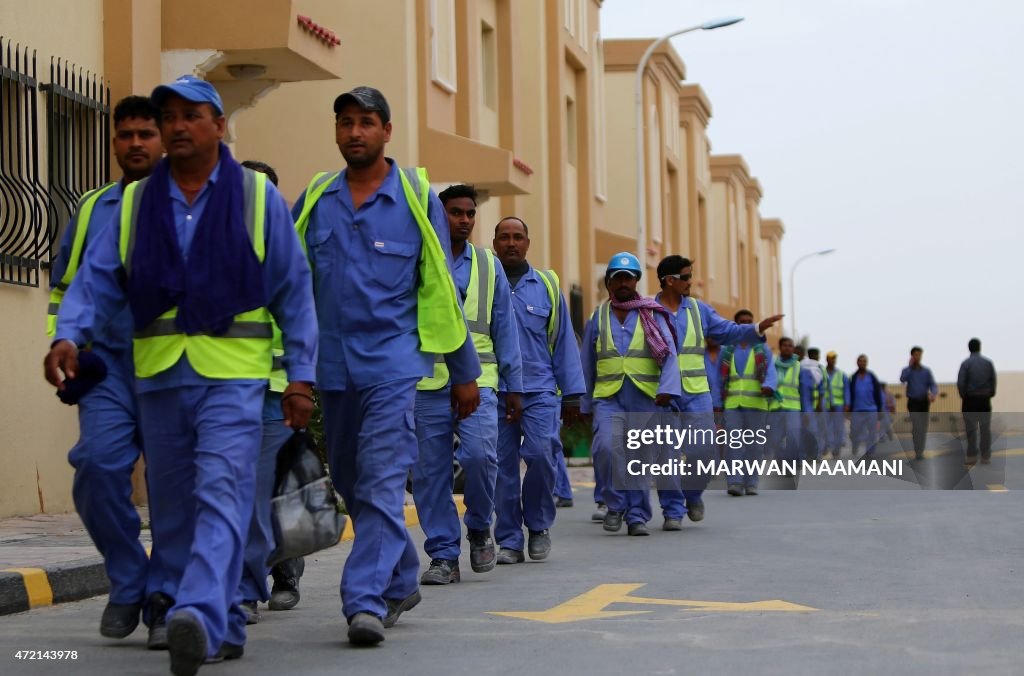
x=46 y=655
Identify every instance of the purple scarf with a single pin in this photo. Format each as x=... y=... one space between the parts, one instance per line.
x=222 y=277
x=646 y=308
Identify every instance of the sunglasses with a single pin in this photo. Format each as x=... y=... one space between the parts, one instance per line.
x=681 y=278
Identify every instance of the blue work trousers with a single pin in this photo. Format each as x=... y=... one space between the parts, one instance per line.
x=432 y=475
x=835 y=428
x=202 y=447
x=744 y=419
x=784 y=435
x=563 y=487
x=532 y=502
x=699 y=413
x=104 y=458
x=864 y=431
x=371 y=444
x=261 y=531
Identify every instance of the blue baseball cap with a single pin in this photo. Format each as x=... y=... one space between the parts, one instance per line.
x=191 y=89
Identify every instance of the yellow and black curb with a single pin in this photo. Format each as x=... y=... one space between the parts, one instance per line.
x=22 y=589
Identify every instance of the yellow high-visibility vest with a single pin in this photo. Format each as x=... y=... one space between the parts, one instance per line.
x=612 y=368
x=243 y=351
x=478 y=308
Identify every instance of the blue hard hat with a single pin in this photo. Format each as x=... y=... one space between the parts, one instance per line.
x=191 y=89
x=623 y=261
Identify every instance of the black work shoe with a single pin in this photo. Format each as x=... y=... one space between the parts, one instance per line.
x=751 y=490
x=396 y=608
x=599 y=512
x=226 y=651
x=695 y=510
x=481 y=550
x=563 y=502
x=735 y=490
x=671 y=524
x=186 y=641
x=159 y=603
x=539 y=544
x=613 y=521
x=284 y=595
x=365 y=629
x=252 y=611
x=638 y=529
x=441 y=571
x=120 y=619
x=508 y=556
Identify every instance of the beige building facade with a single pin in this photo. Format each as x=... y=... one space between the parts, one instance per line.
x=521 y=98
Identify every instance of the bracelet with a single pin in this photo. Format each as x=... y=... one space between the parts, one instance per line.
x=298 y=394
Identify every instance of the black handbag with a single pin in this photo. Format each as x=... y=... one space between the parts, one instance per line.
x=304 y=508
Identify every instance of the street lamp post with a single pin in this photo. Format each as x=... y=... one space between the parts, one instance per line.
x=792 y=288
x=641 y=182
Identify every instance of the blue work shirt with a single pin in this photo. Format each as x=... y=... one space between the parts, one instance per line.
x=724 y=331
x=713 y=367
x=863 y=389
x=504 y=333
x=117 y=335
x=622 y=336
x=365 y=276
x=920 y=382
x=98 y=293
x=544 y=370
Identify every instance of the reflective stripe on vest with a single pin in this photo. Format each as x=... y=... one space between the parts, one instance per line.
x=278 y=377
x=692 y=369
x=482 y=276
x=243 y=351
x=789 y=387
x=745 y=390
x=835 y=388
x=79 y=229
x=550 y=280
x=613 y=367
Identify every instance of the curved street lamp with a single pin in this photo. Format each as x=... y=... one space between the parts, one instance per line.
x=641 y=179
x=792 y=288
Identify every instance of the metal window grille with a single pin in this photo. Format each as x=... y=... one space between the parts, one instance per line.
x=33 y=213
x=78 y=142
x=22 y=196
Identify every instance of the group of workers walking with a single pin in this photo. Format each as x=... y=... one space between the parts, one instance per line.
x=191 y=315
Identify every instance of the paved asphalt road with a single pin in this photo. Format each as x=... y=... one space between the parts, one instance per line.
x=900 y=582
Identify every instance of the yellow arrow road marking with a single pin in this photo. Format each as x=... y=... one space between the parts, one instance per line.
x=591 y=605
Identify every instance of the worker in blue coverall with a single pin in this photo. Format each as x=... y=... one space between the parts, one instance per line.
x=785 y=412
x=260 y=543
x=551 y=363
x=865 y=408
x=837 y=406
x=620 y=381
x=563 y=486
x=365 y=234
x=203 y=276
x=488 y=305
x=749 y=389
x=813 y=421
x=675 y=274
x=108 y=446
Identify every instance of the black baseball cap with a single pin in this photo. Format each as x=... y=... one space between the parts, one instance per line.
x=367 y=98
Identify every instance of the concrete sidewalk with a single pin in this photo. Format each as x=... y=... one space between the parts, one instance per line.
x=49 y=558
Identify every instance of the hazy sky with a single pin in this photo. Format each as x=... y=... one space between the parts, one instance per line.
x=890 y=130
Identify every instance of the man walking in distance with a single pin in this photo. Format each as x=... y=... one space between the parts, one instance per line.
x=108 y=447
x=921 y=392
x=202 y=353
x=837 y=385
x=551 y=364
x=976 y=384
x=380 y=249
x=865 y=408
x=492 y=324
